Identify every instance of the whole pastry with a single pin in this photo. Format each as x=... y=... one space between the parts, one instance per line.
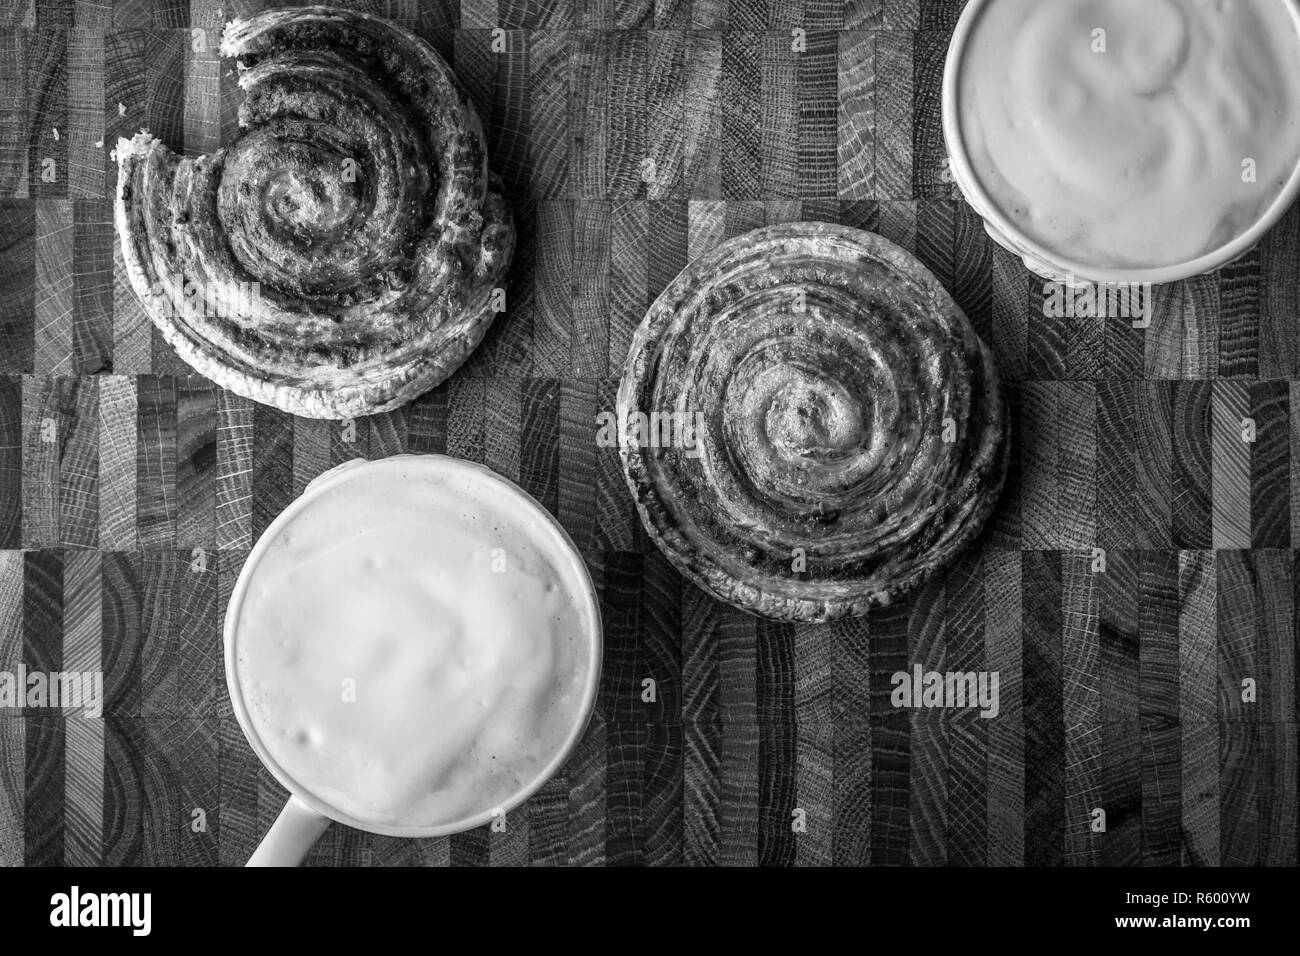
x=809 y=423
x=340 y=256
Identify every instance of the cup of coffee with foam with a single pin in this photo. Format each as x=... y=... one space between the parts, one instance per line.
x=412 y=648
x=1125 y=142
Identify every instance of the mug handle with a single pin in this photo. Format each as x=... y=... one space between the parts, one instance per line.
x=291 y=836
x=298 y=826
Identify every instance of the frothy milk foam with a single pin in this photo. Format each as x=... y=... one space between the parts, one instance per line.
x=409 y=651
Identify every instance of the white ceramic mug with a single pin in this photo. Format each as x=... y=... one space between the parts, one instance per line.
x=1044 y=262
x=306 y=816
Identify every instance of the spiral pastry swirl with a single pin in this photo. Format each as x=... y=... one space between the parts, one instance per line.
x=849 y=430
x=340 y=256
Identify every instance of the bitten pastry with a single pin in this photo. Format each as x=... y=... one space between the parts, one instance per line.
x=340 y=256
x=837 y=430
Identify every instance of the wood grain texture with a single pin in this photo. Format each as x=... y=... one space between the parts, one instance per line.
x=84 y=749
x=739 y=741
x=53 y=337
x=665 y=101
x=85 y=112
x=92 y=287
x=40 y=461
x=11 y=461
x=894 y=114
x=702 y=115
x=856 y=56
x=13 y=108
x=742 y=103
x=967 y=758
x=817 y=98
x=778 y=778
x=702 y=622
x=588 y=117
x=1239 y=303
x=1158 y=709
x=17 y=292
x=47 y=111
x=1043 y=707
x=138 y=488
x=927 y=789
x=78 y=502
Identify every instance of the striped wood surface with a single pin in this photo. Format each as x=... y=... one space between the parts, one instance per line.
x=1120 y=689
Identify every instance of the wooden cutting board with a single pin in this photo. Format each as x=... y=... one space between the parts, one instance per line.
x=633 y=136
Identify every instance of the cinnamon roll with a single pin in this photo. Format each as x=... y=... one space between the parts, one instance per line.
x=809 y=423
x=340 y=256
